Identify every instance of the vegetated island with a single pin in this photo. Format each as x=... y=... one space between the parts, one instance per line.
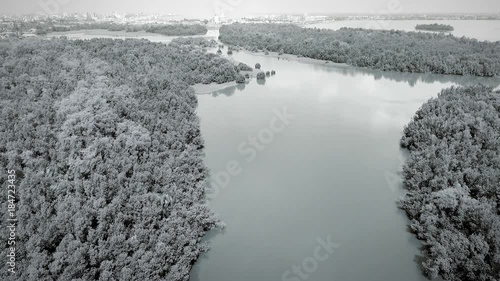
x=392 y=50
x=45 y=27
x=106 y=146
x=452 y=176
x=434 y=27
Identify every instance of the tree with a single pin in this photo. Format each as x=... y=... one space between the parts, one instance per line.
x=244 y=67
x=257 y=66
x=109 y=157
x=261 y=75
x=377 y=49
x=240 y=79
x=452 y=177
x=434 y=27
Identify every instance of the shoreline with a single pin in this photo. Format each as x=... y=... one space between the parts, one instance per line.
x=204 y=89
x=306 y=60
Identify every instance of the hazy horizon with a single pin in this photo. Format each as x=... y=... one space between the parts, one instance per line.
x=240 y=8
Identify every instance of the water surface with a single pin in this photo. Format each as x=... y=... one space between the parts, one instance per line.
x=331 y=171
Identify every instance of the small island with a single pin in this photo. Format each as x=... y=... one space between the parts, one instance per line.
x=261 y=75
x=434 y=27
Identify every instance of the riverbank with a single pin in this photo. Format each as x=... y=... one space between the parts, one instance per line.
x=407 y=77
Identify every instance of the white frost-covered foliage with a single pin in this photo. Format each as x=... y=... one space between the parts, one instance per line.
x=453 y=182
x=108 y=153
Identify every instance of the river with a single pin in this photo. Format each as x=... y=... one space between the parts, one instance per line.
x=330 y=171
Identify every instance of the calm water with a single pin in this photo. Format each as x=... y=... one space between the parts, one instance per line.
x=479 y=29
x=330 y=172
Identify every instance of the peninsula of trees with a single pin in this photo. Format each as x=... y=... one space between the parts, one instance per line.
x=107 y=150
x=434 y=27
x=452 y=176
x=392 y=50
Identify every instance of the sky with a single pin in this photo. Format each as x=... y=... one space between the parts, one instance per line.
x=238 y=8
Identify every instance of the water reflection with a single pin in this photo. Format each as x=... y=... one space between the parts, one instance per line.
x=241 y=86
x=229 y=91
x=226 y=92
x=410 y=78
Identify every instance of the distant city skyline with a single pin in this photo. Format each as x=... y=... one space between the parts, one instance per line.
x=240 y=8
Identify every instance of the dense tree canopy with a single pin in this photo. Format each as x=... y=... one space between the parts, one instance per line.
x=177 y=29
x=394 y=50
x=108 y=153
x=240 y=79
x=453 y=181
x=244 y=67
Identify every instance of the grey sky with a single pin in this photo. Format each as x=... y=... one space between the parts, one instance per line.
x=206 y=8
